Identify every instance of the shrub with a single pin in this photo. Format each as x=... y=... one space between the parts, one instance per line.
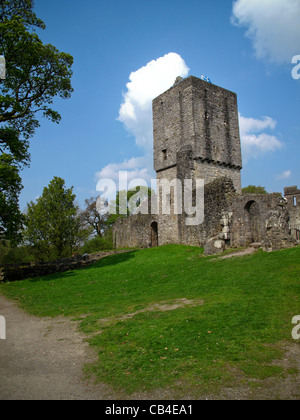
x=96 y=244
x=15 y=255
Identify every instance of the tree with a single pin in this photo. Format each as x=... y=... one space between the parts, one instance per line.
x=22 y=8
x=53 y=222
x=93 y=217
x=252 y=189
x=10 y=187
x=35 y=74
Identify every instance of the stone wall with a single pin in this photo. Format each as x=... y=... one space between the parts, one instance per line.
x=211 y=171
x=260 y=218
x=133 y=231
x=217 y=196
x=136 y=231
x=292 y=195
x=167 y=223
x=9 y=273
x=230 y=220
x=253 y=218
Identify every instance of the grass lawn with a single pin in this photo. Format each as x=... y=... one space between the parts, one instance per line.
x=235 y=330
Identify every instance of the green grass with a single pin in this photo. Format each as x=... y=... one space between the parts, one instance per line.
x=238 y=332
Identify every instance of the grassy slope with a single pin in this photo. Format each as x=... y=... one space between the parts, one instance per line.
x=248 y=306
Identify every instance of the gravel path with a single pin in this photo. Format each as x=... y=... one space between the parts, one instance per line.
x=42 y=359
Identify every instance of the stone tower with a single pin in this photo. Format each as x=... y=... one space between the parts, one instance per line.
x=197 y=122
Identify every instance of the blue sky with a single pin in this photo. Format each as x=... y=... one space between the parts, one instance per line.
x=245 y=46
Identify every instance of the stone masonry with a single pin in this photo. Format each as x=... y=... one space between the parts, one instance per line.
x=202 y=117
x=292 y=195
x=196 y=136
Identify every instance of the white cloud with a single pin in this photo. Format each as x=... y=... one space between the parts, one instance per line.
x=273 y=26
x=254 y=142
x=145 y=84
x=284 y=175
x=140 y=167
x=136 y=113
x=137 y=171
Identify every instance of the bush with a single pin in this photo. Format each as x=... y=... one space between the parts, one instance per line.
x=96 y=244
x=15 y=255
x=252 y=189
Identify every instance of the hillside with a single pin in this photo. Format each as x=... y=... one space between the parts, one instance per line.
x=170 y=317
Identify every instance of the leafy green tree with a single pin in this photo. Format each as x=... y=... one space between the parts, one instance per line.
x=22 y=8
x=252 y=189
x=35 y=74
x=10 y=188
x=53 y=222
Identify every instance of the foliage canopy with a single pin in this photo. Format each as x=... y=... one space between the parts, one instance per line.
x=35 y=75
x=53 y=223
x=252 y=189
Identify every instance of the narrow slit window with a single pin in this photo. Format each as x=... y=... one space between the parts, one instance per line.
x=165 y=154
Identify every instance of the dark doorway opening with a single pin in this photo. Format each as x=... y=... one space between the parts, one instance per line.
x=154 y=234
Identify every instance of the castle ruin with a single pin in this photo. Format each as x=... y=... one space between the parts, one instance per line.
x=196 y=136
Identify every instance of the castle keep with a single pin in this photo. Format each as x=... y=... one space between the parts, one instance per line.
x=201 y=118
x=196 y=137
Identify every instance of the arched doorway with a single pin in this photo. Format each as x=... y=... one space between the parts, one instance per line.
x=154 y=234
x=253 y=219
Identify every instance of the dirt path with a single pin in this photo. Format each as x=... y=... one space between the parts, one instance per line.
x=42 y=359
x=242 y=253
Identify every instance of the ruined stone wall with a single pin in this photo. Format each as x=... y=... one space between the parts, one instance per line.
x=167 y=223
x=133 y=231
x=9 y=273
x=252 y=218
x=216 y=195
x=211 y=171
x=260 y=218
x=230 y=221
x=292 y=195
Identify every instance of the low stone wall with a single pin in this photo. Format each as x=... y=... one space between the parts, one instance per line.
x=10 y=273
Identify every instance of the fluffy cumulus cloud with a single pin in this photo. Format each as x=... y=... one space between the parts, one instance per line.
x=255 y=141
x=284 y=175
x=136 y=167
x=131 y=173
x=272 y=25
x=136 y=113
x=143 y=86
